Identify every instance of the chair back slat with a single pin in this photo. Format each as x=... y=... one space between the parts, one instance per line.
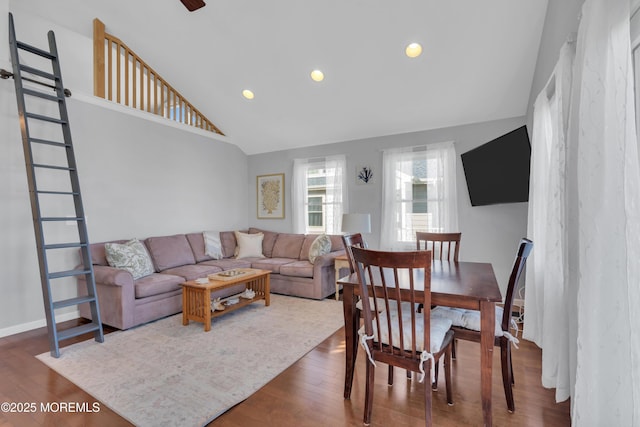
x=524 y=250
x=444 y=246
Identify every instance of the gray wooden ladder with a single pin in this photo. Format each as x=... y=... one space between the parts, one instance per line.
x=53 y=184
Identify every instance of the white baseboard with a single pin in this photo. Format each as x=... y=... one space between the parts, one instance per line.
x=23 y=327
x=518 y=303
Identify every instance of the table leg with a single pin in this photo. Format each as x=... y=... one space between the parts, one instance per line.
x=337 y=273
x=207 y=310
x=487 y=332
x=267 y=290
x=351 y=324
x=185 y=306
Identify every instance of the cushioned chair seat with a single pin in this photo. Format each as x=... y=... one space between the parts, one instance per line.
x=439 y=328
x=468 y=319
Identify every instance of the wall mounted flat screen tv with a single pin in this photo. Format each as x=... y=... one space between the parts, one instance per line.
x=498 y=171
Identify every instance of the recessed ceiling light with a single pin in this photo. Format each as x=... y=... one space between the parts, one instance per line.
x=317 y=75
x=413 y=50
x=247 y=94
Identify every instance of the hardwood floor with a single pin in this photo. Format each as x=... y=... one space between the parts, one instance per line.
x=309 y=393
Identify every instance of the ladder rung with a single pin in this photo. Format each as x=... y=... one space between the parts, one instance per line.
x=44 y=141
x=35 y=71
x=35 y=50
x=63 y=168
x=64 y=193
x=72 y=301
x=61 y=218
x=45 y=118
x=41 y=95
x=78 y=330
x=65 y=245
x=68 y=273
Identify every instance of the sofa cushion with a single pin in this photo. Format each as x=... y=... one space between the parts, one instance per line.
x=297 y=269
x=336 y=242
x=192 y=272
x=228 y=240
x=271 y=264
x=320 y=246
x=156 y=284
x=249 y=245
x=267 y=242
x=288 y=245
x=229 y=263
x=196 y=241
x=170 y=251
x=131 y=256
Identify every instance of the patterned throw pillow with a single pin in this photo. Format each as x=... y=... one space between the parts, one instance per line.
x=131 y=256
x=320 y=246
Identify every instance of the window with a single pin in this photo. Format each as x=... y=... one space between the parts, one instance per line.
x=316 y=212
x=419 y=193
x=319 y=194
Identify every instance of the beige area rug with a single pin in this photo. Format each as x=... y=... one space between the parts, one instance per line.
x=167 y=374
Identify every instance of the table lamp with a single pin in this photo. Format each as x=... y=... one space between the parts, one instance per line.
x=356 y=223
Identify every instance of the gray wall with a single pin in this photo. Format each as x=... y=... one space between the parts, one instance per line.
x=489 y=233
x=560 y=23
x=139 y=178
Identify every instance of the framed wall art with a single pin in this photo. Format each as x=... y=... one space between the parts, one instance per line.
x=364 y=174
x=270 y=196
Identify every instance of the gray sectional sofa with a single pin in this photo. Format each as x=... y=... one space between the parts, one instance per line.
x=125 y=302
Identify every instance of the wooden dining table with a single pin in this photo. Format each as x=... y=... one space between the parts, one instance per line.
x=469 y=285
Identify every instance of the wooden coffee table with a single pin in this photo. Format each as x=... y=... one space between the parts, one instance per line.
x=196 y=297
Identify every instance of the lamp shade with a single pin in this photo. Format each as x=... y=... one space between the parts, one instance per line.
x=356 y=223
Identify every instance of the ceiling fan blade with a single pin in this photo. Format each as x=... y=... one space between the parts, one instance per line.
x=192 y=5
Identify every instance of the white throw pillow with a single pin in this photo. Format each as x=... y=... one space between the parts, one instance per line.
x=249 y=245
x=131 y=256
x=212 y=244
x=320 y=246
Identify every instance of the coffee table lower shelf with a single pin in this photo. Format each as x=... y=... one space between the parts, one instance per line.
x=196 y=297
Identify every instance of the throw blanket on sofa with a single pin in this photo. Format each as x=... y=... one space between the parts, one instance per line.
x=212 y=244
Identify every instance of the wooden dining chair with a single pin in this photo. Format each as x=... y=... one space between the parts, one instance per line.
x=443 y=246
x=356 y=240
x=393 y=332
x=466 y=323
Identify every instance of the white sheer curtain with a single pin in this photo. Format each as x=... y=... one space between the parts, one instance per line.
x=546 y=301
x=335 y=198
x=434 y=164
x=592 y=350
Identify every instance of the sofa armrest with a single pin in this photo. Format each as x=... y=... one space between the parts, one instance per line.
x=327 y=259
x=112 y=276
x=116 y=297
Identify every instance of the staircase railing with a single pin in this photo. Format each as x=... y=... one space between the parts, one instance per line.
x=122 y=76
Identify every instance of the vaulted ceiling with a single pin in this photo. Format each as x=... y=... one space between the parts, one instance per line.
x=477 y=62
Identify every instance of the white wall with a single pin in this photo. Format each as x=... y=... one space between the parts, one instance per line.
x=139 y=178
x=489 y=233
